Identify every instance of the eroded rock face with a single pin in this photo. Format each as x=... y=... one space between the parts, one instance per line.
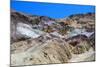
x=92 y=40
x=18 y=20
x=21 y=23
x=80 y=47
x=79 y=44
x=43 y=40
x=53 y=50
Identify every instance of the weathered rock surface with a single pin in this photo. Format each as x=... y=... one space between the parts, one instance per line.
x=43 y=40
x=53 y=50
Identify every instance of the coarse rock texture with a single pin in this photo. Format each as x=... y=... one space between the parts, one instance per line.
x=43 y=40
x=51 y=51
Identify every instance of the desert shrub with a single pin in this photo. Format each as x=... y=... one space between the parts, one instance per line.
x=35 y=21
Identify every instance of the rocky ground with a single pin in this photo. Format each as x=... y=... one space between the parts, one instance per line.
x=43 y=40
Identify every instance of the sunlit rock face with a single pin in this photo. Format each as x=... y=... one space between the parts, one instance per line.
x=53 y=50
x=22 y=27
x=79 y=44
x=43 y=40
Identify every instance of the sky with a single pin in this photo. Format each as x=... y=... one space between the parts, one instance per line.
x=53 y=10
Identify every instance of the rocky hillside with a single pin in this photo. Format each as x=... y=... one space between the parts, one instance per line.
x=43 y=40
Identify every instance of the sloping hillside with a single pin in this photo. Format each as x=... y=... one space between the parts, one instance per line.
x=43 y=40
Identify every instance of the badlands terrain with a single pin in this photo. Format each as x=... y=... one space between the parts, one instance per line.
x=44 y=40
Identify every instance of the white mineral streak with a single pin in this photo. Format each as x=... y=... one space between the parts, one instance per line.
x=27 y=30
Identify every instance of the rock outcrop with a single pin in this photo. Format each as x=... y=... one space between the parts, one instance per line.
x=43 y=40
